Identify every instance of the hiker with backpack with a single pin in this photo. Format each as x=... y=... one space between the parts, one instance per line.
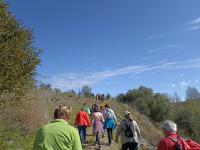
x=169 y=129
x=172 y=141
x=110 y=122
x=129 y=131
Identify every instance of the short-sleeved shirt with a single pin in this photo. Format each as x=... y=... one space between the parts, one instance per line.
x=57 y=135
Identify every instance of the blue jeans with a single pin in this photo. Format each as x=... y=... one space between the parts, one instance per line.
x=82 y=133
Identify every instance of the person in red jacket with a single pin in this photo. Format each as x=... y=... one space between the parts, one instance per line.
x=82 y=122
x=169 y=129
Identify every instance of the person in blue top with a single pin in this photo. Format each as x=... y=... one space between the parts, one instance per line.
x=110 y=122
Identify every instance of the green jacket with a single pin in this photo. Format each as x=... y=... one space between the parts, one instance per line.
x=87 y=109
x=57 y=135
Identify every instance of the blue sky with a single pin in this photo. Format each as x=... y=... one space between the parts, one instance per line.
x=115 y=45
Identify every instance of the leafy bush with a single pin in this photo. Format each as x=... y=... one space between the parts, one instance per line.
x=187 y=116
x=155 y=106
x=18 y=56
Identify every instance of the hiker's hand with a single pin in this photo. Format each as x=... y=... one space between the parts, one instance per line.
x=141 y=146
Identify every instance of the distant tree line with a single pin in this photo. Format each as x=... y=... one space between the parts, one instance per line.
x=86 y=92
x=153 y=105
x=159 y=107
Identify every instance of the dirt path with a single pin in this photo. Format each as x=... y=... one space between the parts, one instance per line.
x=104 y=141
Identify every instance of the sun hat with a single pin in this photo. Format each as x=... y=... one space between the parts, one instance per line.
x=126 y=113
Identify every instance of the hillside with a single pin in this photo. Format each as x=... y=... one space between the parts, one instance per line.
x=38 y=107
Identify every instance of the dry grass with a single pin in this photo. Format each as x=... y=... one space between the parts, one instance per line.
x=37 y=107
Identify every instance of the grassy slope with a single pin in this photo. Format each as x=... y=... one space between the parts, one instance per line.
x=149 y=132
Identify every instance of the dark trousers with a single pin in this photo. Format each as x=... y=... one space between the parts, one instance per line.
x=82 y=133
x=130 y=146
x=110 y=135
x=98 y=139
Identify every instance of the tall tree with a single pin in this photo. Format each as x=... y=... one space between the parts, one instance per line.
x=175 y=98
x=18 y=56
x=86 y=91
x=192 y=93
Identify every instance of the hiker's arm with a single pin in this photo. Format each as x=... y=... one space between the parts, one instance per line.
x=88 y=109
x=118 y=132
x=115 y=118
x=102 y=118
x=38 y=139
x=77 y=142
x=35 y=144
x=91 y=117
x=76 y=120
x=88 y=119
x=138 y=130
x=162 y=146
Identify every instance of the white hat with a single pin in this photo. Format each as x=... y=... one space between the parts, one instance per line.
x=126 y=113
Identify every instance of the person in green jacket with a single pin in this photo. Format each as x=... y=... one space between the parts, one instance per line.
x=58 y=134
x=86 y=108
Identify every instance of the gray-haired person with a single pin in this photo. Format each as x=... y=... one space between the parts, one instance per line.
x=129 y=131
x=169 y=129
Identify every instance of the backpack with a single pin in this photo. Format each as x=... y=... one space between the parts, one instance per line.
x=109 y=114
x=127 y=131
x=182 y=144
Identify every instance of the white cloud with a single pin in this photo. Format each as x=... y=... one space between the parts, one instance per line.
x=193 y=24
x=74 y=80
x=147 y=58
x=172 y=85
x=195 y=21
x=191 y=82
x=181 y=75
x=196 y=81
x=184 y=84
x=167 y=47
x=155 y=36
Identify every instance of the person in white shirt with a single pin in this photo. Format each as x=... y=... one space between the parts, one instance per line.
x=129 y=131
x=110 y=123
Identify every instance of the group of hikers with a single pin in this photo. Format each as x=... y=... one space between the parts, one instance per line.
x=59 y=135
x=103 y=119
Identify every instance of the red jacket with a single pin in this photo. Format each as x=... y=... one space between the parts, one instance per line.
x=82 y=119
x=166 y=143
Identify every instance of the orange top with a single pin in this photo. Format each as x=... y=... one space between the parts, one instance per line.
x=82 y=119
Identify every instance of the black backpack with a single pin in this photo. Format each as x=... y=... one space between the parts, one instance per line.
x=127 y=131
